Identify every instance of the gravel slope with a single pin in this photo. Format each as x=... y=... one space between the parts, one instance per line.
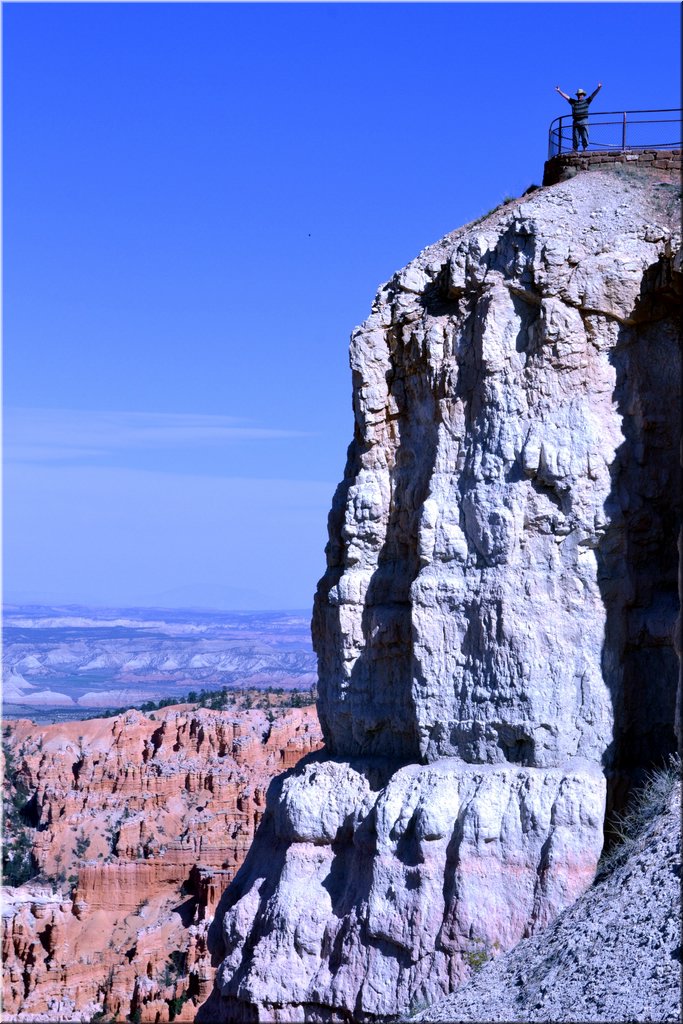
x=614 y=955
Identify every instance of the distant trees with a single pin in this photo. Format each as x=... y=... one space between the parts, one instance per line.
x=226 y=697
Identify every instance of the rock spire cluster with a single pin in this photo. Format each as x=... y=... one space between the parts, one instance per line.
x=136 y=825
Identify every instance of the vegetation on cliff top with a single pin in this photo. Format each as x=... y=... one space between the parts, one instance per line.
x=225 y=699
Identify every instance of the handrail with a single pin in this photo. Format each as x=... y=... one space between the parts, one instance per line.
x=560 y=131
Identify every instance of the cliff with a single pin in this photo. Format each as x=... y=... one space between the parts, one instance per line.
x=137 y=824
x=494 y=630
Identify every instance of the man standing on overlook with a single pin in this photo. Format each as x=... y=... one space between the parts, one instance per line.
x=580 y=114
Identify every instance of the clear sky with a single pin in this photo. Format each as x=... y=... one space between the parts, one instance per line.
x=200 y=201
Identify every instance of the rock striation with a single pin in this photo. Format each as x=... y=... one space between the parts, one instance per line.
x=494 y=630
x=137 y=824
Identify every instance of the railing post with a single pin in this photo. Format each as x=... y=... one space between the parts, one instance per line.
x=623 y=132
x=559 y=147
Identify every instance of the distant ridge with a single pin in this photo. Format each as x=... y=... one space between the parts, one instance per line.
x=76 y=658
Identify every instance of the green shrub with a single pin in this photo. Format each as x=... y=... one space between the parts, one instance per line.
x=481 y=954
x=175 y=1005
x=82 y=844
x=18 y=862
x=476 y=958
x=178 y=959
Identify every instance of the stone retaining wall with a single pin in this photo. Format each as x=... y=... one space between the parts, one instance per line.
x=559 y=168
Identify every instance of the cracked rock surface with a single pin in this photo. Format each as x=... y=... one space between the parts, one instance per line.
x=494 y=630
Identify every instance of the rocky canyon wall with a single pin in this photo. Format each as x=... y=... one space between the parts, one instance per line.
x=495 y=627
x=137 y=824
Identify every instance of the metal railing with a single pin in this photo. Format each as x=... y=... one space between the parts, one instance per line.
x=623 y=131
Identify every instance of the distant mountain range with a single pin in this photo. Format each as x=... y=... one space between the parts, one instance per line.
x=76 y=658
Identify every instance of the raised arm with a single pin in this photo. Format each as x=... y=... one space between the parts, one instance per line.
x=594 y=94
x=562 y=94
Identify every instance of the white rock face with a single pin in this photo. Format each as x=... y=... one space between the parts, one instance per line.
x=495 y=625
x=462 y=610
x=382 y=893
x=614 y=955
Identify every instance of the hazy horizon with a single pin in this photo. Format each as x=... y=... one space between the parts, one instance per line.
x=202 y=609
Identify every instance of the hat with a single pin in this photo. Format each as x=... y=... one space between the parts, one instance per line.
x=580 y=92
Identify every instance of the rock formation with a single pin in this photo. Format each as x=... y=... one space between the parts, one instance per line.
x=614 y=955
x=494 y=630
x=142 y=820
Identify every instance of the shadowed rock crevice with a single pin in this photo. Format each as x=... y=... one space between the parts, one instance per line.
x=638 y=556
x=438 y=298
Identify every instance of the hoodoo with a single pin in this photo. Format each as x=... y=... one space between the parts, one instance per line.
x=495 y=627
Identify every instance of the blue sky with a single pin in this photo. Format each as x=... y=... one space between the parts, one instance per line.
x=200 y=201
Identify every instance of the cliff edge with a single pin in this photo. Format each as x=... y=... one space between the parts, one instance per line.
x=495 y=627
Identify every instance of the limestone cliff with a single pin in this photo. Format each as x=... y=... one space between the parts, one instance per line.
x=494 y=630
